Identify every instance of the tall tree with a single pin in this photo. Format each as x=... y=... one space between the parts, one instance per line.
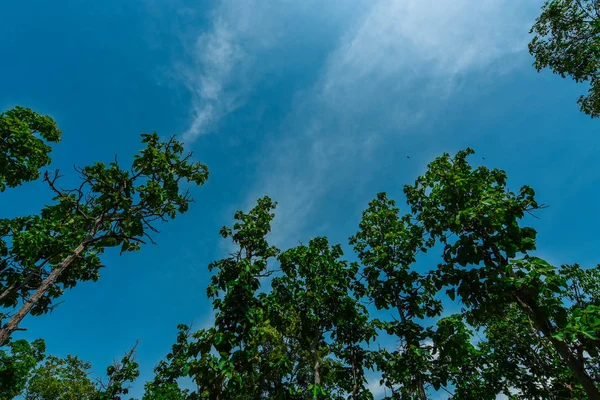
x=119 y=377
x=222 y=360
x=460 y=367
x=487 y=257
x=42 y=255
x=567 y=40
x=387 y=246
x=523 y=362
x=176 y=364
x=526 y=329
x=300 y=340
x=314 y=292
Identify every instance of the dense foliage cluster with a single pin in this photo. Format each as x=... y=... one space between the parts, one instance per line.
x=489 y=318
x=567 y=40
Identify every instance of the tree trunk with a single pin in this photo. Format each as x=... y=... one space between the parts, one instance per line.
x=420 y=386
x=316 y=362
x=50 y=280
x=578 y=370
x=15 y=287
x=14 y=322
x=354 y=380
x=219 y=389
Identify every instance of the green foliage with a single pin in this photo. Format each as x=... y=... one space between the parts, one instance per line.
x=42 y=255
x=17 y=361
x=567 y=40
x=167 y=372
x=61 y=378
x=307 y=335
x=387 y=245
x=67 y=378
x=487 y=262
x=221 y=360
x=515 y=355
x=22 y=153
x=460 y=364
x=293 y=324
x=273 y=344
x=313 y=297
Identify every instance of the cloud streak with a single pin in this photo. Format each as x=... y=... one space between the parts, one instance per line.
x=223 y=69
x=231 y=57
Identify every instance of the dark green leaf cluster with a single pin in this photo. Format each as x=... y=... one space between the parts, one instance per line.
x=120 y=375
x=567 y=40
x=17 y=361
x=23 y=148
x=300 y=340
x=26 y=371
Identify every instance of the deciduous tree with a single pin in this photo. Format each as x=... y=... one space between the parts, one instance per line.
x=487 y=258
x=42 y=255
x=222 y=360
x=567 y=40
x=314 y=295
x=387 y=245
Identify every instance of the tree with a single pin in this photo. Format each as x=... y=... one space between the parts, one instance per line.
x=387 y=246
x=521 y=359
x=222 y=360
x=486 y=262
x=567 y=40
x=487 y=259
x=61 y=378
x=314 y=296
x=42 y=255
x=299 y=340
x=22 y=153
x=17 y=361
x=462 y=366
x=120 y=375
x=177 y=364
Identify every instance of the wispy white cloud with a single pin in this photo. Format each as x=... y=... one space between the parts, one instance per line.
x=229 y=59
x=406 y=39
x=223 y=69
x=394 y=67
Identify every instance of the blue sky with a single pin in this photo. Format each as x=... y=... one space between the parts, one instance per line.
x=316 y=105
